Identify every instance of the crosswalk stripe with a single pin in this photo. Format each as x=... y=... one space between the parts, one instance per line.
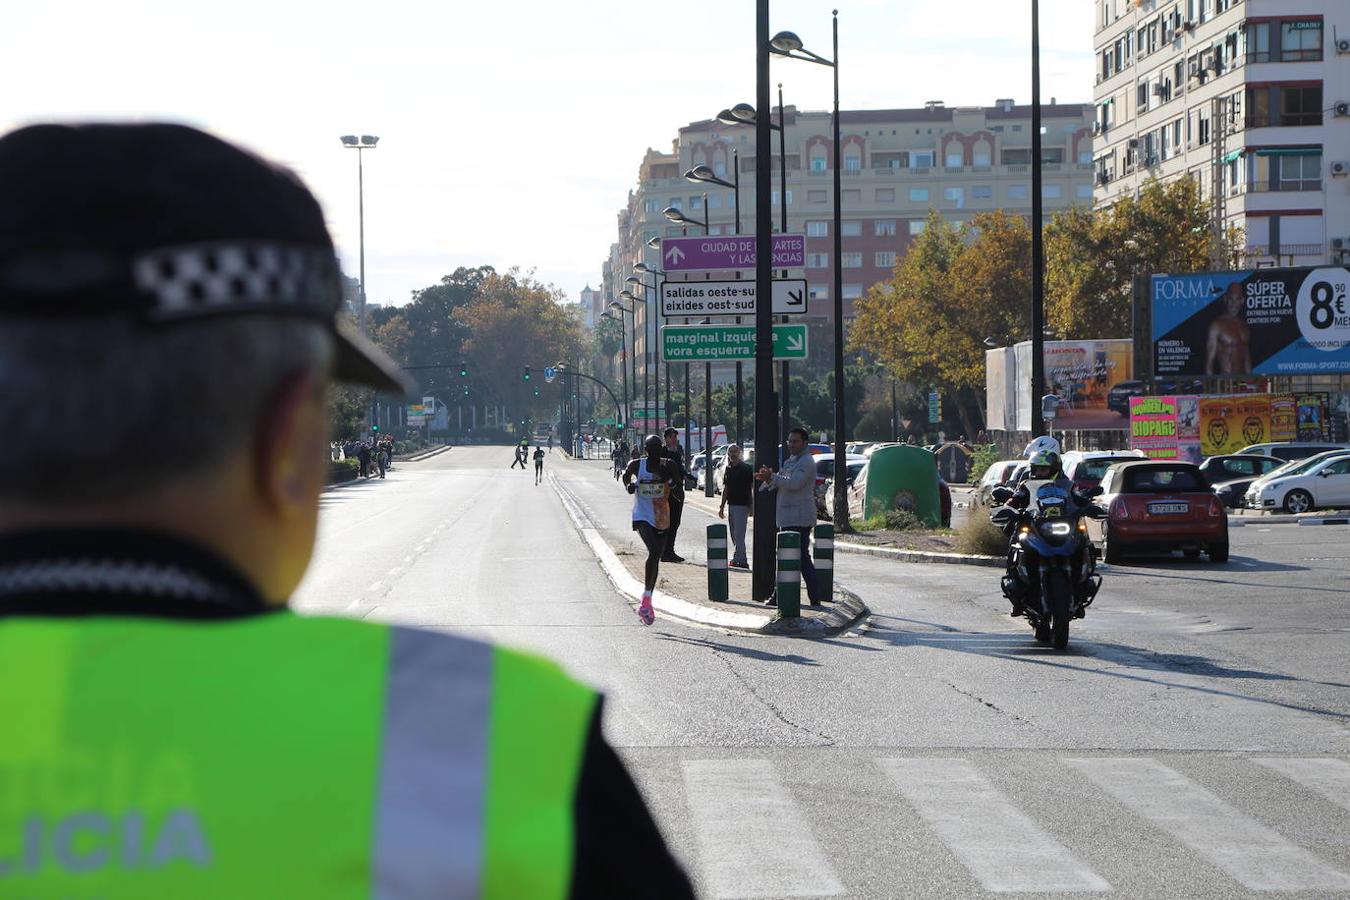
x=1000 y=846
x=1328 y=777
x=1258 y=857
x=753 y=839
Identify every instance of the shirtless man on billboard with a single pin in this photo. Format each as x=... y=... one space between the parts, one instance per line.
x=1229 y=345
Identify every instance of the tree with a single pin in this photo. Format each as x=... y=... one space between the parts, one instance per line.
x=1092 y=257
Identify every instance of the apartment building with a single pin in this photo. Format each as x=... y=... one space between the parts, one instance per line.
x=1251 y=98
x=896 y=165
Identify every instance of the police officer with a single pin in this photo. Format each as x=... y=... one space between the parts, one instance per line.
x=171 y=729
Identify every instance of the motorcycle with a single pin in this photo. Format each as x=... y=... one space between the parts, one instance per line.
x=1052 y=563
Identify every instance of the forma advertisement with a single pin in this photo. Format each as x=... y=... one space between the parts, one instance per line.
x=1252 y=322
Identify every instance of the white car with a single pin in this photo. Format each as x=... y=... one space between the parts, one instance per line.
x=1325 y=481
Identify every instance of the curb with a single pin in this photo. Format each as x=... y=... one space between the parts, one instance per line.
x=852 y=608
x=421 y=456
x=1326 y=520
x=921 y=556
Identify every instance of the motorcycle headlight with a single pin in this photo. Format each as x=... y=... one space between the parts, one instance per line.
x=1056 y=529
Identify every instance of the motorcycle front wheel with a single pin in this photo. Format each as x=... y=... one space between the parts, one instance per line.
x=1061 y=606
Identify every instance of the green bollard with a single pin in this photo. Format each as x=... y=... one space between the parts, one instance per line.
x=717 y=563
x=824 y=558
x=789 y=582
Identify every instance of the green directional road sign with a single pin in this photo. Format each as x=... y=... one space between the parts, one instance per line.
x=727 y=343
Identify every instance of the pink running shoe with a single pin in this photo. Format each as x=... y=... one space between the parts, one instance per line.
x=646 y=613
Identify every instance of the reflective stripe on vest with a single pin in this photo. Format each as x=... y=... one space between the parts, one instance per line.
x=282 y=756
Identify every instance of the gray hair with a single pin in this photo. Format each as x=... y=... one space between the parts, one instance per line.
x=102 y=408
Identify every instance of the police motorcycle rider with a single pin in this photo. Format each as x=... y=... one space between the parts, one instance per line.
x=1044 y=470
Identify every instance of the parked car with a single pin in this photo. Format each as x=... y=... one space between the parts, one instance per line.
x=1290 y=468
x=1160 y=505
x=825 y=479
x=855 y=448
x=997 y=474
x=1232 y=475
x=1118 y=398
x=1325 y=481
x=1291 y=450
x=1086 y=467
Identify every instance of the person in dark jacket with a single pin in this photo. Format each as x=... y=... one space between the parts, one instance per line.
x=675 y=453
x=738 y=498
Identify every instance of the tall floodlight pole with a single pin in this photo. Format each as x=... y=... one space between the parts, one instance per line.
x=1037 y=249
x=360 y=144
x=785 y=43
x=766 y=437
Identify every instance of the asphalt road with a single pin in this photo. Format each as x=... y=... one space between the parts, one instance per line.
x=1193 y=741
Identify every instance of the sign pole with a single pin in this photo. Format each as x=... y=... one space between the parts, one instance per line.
x=766 y=434
x=1037 y=250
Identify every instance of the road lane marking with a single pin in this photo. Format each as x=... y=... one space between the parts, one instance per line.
x=753 y=839
x=1328 y=777
x=1258 y=857
x=996 y=841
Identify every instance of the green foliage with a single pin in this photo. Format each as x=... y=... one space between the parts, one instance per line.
x=983 y=457
x=903 y=520
x=347 y=410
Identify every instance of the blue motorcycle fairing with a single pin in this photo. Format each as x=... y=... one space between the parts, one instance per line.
x=1045 y=548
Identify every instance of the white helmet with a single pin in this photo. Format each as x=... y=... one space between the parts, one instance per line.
x=1043 y=444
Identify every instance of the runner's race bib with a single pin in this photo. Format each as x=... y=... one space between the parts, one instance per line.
x=652 y=490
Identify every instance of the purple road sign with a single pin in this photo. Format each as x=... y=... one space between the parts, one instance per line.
x=730 y=252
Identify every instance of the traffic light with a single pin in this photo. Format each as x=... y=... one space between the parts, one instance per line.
x=466 y=392
x=527 y=373
x=536 y=392
x=374 y=428
x=463 y=371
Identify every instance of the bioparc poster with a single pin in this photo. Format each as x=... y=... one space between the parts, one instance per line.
x=1252 y=322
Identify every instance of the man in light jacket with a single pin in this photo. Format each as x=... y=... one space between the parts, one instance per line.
x=795 y=483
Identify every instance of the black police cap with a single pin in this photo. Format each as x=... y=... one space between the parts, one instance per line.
x=167 y=224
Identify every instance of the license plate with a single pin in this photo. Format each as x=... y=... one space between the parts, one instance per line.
x=1168 y=508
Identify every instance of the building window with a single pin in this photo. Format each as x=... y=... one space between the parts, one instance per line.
x=675 y=203
x=885 y=259
x=1283 y=106
x=885 y=195
x=853 y=196
x=955 y=196
x=720 y=168
x=916 y=226
x=850 y=228
x=1051 y=192
x=1300 y=173
x=817 y=196
x=1284 y=169
x=818 y=163
x=981 y=192
x=955 y=160
x=817 y=260
x=884 y=228
x=818 y=292
x=1016 y=157
x=674 y=231
x=981 y=158
x=852 y=162
x=921 y=159
x=1018 y=192
x=651 y=205
x=817 y=229
x=851 y=260
x=852 y=291
x=775 y=198
x=714 y=229
x=918 y=195
x=696 y=201
x=1287 y=41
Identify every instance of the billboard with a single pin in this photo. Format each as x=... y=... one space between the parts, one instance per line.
x=1252 y=322
x=1230 y=423
x=1093 y=380
x=1153 y=426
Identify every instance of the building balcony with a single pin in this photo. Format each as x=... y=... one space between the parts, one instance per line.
x=1263 y=187
x=1259 y=251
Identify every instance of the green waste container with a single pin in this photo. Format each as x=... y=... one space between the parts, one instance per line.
x=900 y=477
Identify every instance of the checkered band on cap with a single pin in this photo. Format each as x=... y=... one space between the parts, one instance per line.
x=208 y=279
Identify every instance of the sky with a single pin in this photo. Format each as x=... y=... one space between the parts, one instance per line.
x=510 y=132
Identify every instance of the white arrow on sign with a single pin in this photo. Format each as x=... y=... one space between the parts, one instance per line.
x=674 y=255
x=794 y=342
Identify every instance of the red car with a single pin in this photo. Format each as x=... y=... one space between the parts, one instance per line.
x=1161 y=505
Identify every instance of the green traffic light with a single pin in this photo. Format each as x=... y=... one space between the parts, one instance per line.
x=527 y=373
x=463 y=371
x=374 y=428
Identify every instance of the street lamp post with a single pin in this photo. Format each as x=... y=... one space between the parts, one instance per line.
x=359 y=144
x=1037 y=250
x=626 y=412
x=766 y=527
x=785 y=43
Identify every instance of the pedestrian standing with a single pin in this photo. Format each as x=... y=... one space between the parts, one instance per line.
x=158 y=693
x=738 y=487
x=538 y=464
x=649 y=479
x=363 y=455
x=795 y=483
x=550 y=441
x=675 y=454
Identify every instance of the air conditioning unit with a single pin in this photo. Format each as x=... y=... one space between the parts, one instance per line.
x=1343 y=109
x=1342 y=45
x=1133 y=143
x=1189 y=24
x=1340 y=169
x=1103 y=178
x=1158 y=90
x=1338 y=243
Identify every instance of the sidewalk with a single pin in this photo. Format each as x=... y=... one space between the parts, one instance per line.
x=682 y=588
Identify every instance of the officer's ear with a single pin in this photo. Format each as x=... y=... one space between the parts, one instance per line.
x=289 y=446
